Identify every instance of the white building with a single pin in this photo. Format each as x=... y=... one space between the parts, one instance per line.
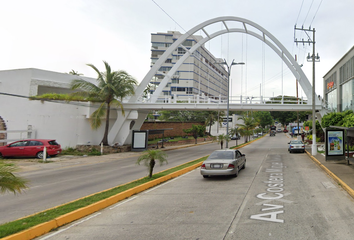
x=198 y=75
x=68 y=123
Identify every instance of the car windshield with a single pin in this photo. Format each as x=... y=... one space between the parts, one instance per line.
x=295 y=142
x=221 y=155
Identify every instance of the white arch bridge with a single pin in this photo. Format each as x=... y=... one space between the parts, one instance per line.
x=137 y=108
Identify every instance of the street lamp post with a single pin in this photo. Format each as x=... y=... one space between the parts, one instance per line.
x=228 y=93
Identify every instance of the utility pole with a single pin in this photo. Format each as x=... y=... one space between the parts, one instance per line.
x=312 y=58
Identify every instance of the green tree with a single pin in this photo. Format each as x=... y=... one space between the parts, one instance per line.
x=249 y=124
x=319 y=130
x=287 y=100
x=73 y=72
x=264 y=118
x=213 y=117
x=342 y=119
x=9 y=182
x=149 y=158
x=112 y=85
x=183 y=116
x=223 y=138
x=196 y=131
x=286 y=117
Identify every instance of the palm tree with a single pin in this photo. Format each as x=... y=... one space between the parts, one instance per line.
x=73 y=72
x=112 y=87
x=213 y=116
x=222 y=138
x=234 y=132
x=149 y=158
x=249 y=123
x=9 y=181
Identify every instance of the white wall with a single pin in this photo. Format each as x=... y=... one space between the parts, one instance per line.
x=68 y=123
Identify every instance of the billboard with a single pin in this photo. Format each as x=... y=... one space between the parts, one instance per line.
x=335 y=142
x=140 y=140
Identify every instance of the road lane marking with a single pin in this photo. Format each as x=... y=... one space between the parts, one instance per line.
x=72 y=225
x=120 y=203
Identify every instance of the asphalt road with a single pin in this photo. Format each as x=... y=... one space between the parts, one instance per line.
x=278 y=196
x=56 y=183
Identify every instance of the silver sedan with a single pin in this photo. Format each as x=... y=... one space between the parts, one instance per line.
x=223 y=162
x=296 y=146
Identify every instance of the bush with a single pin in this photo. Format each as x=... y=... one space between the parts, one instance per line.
x=309 y=137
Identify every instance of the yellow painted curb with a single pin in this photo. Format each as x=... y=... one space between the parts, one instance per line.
x=335 y=178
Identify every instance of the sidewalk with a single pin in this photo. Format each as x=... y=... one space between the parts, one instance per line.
x=340 y=171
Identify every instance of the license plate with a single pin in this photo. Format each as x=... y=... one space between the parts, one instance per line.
x=216 y=166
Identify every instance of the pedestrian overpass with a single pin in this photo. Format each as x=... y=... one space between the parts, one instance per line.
x=137 y=107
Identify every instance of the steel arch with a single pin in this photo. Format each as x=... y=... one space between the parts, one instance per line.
x=277 y=47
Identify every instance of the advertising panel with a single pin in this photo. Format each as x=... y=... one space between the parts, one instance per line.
x=335 y=142
x=140 y=140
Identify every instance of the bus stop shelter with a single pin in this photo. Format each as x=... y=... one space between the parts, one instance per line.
x=337 y=138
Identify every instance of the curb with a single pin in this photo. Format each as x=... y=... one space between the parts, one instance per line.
x=335 y=178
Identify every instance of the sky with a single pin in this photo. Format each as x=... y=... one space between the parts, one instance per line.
x=65 y=35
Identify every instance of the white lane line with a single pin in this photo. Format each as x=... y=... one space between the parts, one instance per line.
x=77 y=223
x=121 y=203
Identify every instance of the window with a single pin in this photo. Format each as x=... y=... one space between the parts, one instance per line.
x=19 y=144
x=181 y=51
x=188 y=43
x=35 y=143
x=165 y=69
x=155 y=45
x=168 y=61
x=175 y=80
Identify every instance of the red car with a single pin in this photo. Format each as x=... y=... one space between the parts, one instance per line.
x=30 y=148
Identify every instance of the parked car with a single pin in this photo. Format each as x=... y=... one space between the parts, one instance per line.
x=223 y=162
x=235 y=137
x=31 y=148
x=296 y=146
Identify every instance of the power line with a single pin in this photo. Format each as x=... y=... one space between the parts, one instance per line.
x=299 y=11
x=316 y=12
x=308 y=12
x=169 y=16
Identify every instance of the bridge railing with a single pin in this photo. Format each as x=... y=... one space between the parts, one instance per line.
x=223 y=99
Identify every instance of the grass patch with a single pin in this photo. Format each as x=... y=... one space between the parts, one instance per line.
x=16 y=226
x=75 y=152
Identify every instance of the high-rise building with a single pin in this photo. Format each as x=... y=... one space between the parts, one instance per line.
x=200 y=74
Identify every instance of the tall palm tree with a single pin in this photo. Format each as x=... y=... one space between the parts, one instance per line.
x=9 y=181
x=112 y=87
x=149 y=158
x=249 y=123
x=213 y=116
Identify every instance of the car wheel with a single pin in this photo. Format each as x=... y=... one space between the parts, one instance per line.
x=39 y=155
x=205 y=176
x=244 y=165
x=303 y=151
x=236 y=174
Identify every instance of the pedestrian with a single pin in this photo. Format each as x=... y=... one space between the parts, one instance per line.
x=303 y=136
